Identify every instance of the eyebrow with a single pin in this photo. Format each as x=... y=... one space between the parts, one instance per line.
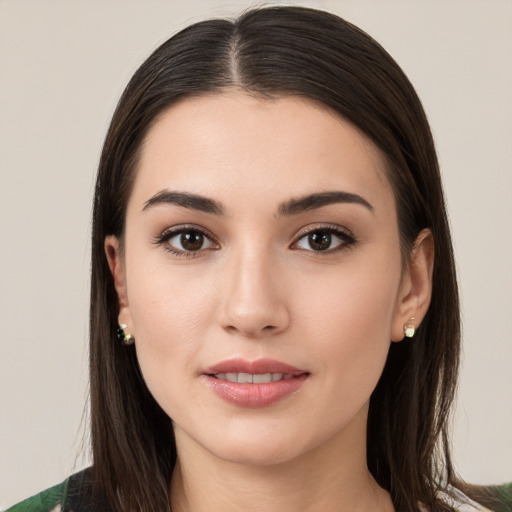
x=312 y=201
x=187 y=200
x=293 y=206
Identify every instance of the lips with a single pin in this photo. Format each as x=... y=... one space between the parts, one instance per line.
x=257 y=378
x=257 y=383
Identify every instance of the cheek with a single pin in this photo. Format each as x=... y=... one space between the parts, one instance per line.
x=348 y=317
x=170 y=311
x=354 y=299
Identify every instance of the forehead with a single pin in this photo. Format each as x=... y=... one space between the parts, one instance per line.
x=266 y=148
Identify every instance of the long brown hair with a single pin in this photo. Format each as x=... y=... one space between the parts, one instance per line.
x=281 y=51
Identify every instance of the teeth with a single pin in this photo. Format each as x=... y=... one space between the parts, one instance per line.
x=249 y=378
x=262 y=378
x=244 y=377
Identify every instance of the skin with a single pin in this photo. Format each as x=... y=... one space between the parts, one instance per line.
x=259 y=289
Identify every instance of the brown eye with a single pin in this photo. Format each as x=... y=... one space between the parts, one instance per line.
x=192 y=241
x=186 y=240
x=320 y=240
x=325 y=240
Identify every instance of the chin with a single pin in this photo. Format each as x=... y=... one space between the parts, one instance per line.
x=263 y=444
x=257 y=454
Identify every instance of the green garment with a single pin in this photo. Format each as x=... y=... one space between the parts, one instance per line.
x=51 y=499
x=504 y=495
x=72 y=495
x=69 y=496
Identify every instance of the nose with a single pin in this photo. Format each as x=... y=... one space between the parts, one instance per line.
x=254 y=299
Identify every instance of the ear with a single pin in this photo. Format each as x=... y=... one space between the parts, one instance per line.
x=115 y=260
x=416 y=287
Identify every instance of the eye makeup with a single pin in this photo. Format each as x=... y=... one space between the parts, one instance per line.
x=191 y=240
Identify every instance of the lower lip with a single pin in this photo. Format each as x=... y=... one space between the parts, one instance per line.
x=255 y=395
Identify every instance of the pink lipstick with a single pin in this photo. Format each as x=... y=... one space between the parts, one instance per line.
x=254 y=383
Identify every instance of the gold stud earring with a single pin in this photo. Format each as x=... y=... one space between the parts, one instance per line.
x=124 y=338
x=409 y=328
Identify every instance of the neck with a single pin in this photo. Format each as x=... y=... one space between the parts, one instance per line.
x=332 y=477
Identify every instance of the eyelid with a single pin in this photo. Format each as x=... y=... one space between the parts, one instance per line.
x=342 y=232
x=171 y=232
x=346 y=235
x=325 y=226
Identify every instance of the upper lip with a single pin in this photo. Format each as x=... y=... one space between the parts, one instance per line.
x=258 y=366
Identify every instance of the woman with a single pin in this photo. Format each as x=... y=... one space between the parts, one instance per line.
x=270 y=246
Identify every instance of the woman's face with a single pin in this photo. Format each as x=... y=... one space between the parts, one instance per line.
x=261 y=247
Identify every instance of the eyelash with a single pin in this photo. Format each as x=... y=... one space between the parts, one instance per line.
x=170 y=233
x=346 y=236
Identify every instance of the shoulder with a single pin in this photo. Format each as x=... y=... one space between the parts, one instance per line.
x=495 y=499
x=51 y=499
x=475 y=498
x=504 y=497
x=72 y=495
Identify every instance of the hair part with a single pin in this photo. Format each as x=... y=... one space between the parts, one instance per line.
x=274 y=52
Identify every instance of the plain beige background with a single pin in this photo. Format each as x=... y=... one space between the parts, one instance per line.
x=64 y=64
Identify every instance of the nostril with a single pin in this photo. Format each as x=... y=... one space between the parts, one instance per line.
x=251 y=331
x=252 y=319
